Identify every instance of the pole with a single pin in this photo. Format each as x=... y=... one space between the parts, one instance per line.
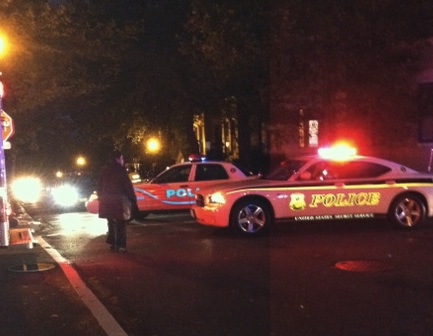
x=4 y=220
x=430 y=161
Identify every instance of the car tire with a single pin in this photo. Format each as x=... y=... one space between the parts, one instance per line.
x=407 y=211
x=251 y=217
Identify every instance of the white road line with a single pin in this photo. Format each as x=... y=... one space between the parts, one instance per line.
x=102 y=315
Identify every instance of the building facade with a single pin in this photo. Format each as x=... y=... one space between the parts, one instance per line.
x=300 y=124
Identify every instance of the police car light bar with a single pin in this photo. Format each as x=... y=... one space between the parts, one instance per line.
x=338 y=152
x=196 y=158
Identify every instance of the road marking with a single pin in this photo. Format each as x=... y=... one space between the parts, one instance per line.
x=102 y=315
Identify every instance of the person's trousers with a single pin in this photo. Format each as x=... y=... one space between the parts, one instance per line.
x=116 y=236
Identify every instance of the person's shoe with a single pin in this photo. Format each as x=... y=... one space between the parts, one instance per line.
x=121 y=250
x=112 y=248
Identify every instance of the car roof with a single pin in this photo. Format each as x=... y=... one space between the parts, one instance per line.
x=358 y=158
x=201 y=162
x=227 y=164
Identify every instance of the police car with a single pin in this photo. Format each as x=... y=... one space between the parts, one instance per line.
x=174 y=189
x=335 y=184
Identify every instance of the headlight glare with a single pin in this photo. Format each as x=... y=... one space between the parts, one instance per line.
x=65 y=195
x=216 y=198
x=27 y=189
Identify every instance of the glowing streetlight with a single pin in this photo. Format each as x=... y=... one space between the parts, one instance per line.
x=81 y=161
x=153 y=145
x=3 y=45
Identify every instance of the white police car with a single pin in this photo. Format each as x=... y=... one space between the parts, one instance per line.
x=174 y=189
x=336 y=184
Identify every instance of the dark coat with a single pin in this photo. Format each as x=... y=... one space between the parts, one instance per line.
x=113 y=183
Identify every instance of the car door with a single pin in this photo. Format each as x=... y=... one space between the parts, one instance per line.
x=168 y=191
x=206 y=174
x=346 y=189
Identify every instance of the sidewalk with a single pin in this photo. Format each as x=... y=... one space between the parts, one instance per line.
x=36 y=296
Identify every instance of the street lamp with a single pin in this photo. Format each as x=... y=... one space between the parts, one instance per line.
x=153 y=145
x=4 y=220
x=3 y=45
x=81 y=161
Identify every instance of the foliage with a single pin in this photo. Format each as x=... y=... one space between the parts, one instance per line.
x=226 y=43
x=65 y=59
x=82 y=76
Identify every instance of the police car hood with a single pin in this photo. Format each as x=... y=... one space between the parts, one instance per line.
x=235 y=185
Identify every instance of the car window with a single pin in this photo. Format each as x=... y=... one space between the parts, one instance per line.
x=243 y=169
x=329 y=170
x=174 y=174
x=285 y=170
x=207 y=172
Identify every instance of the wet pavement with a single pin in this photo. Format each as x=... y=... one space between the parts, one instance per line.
x=36 y=296
x=178 y=278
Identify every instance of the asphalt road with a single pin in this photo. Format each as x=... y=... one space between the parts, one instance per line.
x=178 y=278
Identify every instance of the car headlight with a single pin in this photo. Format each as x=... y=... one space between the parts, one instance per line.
x=65 y=195
x=27 y=189
x=216 y=198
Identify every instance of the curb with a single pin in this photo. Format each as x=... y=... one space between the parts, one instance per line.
x=21 y=228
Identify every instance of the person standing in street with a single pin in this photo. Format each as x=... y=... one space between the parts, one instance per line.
x=116 y=199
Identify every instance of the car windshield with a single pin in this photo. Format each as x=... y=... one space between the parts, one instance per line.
x=174 y=174
x=285 y=170
x=82 y=180
x=243 y=169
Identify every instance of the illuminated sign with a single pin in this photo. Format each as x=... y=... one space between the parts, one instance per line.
x=345 y=200
x=313 y=131
x=297 y=200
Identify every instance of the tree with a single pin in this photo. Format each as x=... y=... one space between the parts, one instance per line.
x=66 y=59
x=226 y=43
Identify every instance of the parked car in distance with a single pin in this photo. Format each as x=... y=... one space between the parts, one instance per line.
x=63 y=193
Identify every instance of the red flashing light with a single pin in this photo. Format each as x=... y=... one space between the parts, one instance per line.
x=338 y=152
x=196 y=158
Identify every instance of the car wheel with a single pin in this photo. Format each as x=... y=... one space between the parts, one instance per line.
x=407 y=211
x=250 y=217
